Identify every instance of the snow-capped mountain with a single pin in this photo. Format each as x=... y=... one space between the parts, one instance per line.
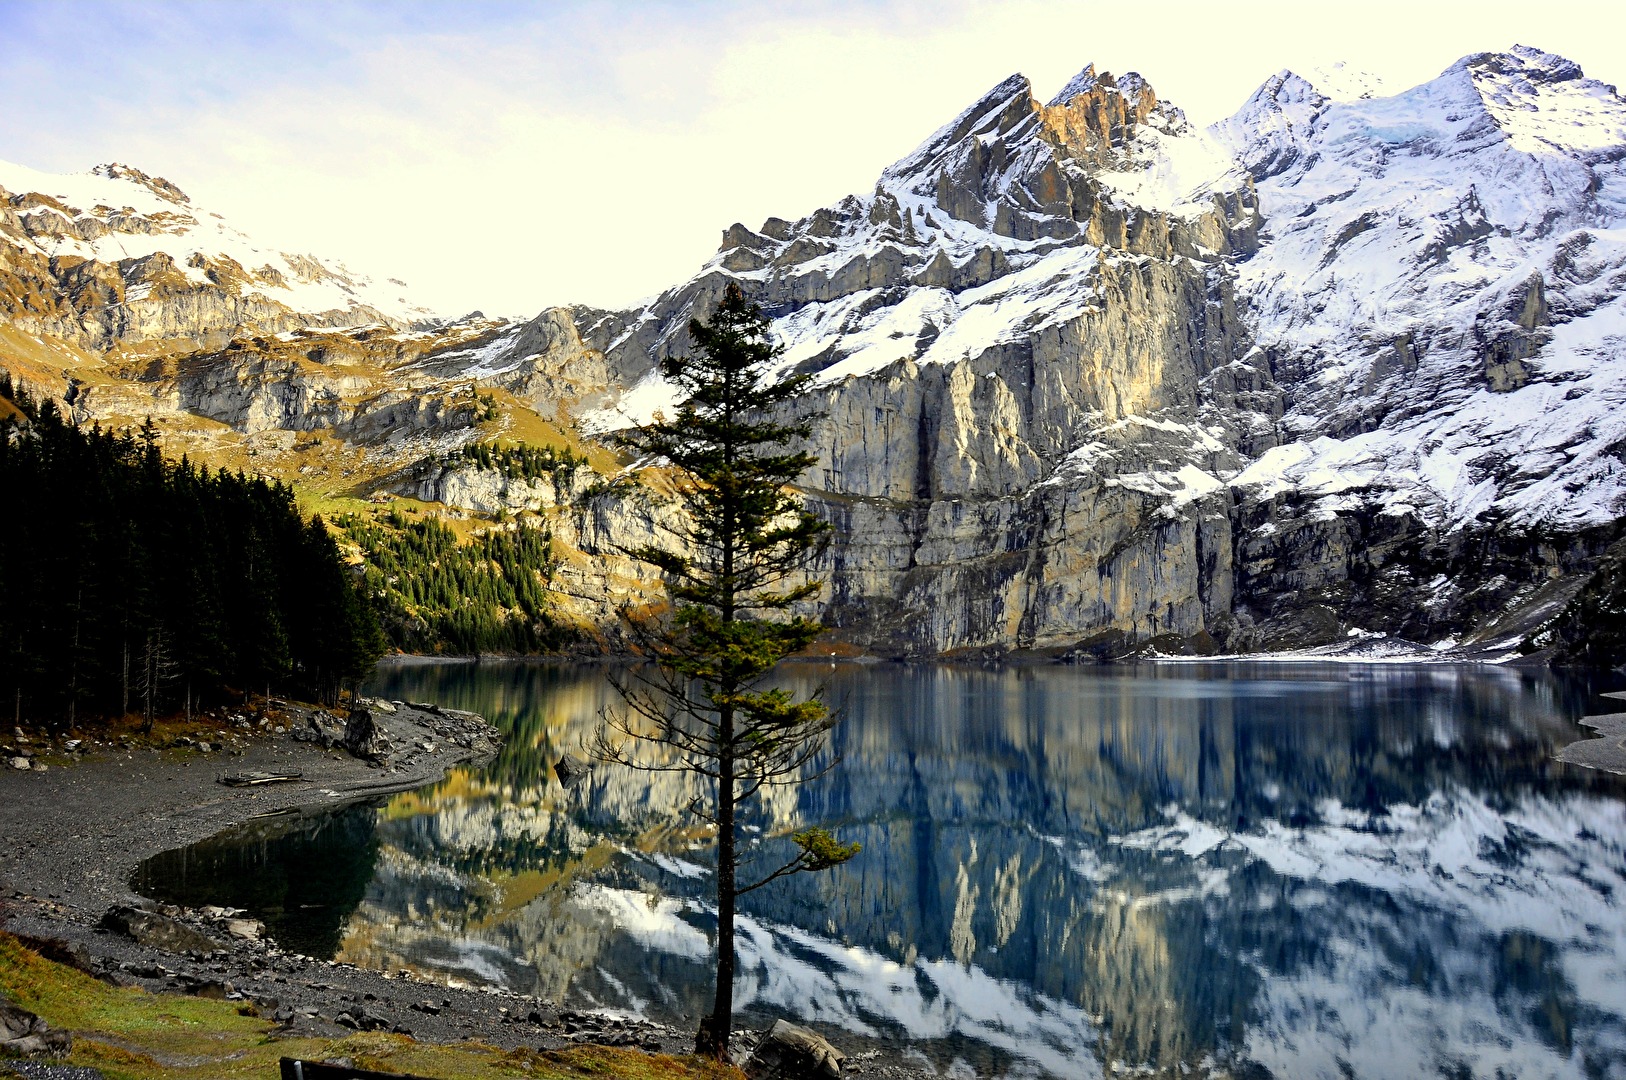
x=1347 y=363
x=994 y=227
x=1329 y=366
x=114 y=255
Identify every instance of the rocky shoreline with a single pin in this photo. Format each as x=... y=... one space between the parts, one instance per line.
x=80 y=815
x=1608 y=750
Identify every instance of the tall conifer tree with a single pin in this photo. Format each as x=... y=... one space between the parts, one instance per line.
x=735 y=573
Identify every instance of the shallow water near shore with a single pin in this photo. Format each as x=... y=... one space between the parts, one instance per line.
x=1287 y=870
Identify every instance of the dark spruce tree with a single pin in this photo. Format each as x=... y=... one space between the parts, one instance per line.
x=138 y=584
x=735 y=571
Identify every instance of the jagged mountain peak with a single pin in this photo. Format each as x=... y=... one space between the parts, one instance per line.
x=1283 y=89
x=1524 y=100
x=1003 y=108
x=1108 y=123
x=1268 y=133
x=1094 y=119
x=1525 y=62
x=160 y=187
x=1003 y=208
x=1544 y=102
x=1081 y=83
x=1131 y=86
x=1534 y=101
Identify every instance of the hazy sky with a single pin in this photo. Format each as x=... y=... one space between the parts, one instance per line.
x=509 y=156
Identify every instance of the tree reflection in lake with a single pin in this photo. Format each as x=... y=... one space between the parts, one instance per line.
x=1309 y=870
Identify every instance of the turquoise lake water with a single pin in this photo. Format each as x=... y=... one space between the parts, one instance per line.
x=1238 y=869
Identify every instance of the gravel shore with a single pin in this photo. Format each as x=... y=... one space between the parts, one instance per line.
x=1608 y=751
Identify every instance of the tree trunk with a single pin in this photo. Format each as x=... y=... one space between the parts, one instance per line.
x=149 y=681
x=712 y=1039
x=73 y=676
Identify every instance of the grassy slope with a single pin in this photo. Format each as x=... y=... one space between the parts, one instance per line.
x=130 y=1034
x=44 y=362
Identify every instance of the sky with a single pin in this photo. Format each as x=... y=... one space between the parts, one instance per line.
x=508 y=156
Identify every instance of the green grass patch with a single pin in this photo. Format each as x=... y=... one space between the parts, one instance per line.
x=130 y=1034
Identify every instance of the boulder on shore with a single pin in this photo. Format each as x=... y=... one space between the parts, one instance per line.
x=158 y=931
x=324 y=728
x=789 y=1052
x=364 y=738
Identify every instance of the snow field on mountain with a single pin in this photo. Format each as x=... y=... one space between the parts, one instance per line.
x=1560 y=447
x=1053 y=289
x=1173 y=172
x=142 y=221
x=1425 y=216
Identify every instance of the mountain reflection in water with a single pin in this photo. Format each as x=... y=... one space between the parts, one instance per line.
x=1298 y=871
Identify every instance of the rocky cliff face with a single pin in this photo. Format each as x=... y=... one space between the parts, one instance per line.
x=1029 y=358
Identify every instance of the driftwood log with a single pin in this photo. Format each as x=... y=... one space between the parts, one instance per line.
x=249 y=779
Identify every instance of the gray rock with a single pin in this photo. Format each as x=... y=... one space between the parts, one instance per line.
x=245 y=929
x=322 y=727
x=158 y=931
x=24 y=1034
x=571 y=770
x=789 y=1052
x=364 y=738
x=359 y=1019
x=214 y=989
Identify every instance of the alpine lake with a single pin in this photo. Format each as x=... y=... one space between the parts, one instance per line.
x=1239 y=869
